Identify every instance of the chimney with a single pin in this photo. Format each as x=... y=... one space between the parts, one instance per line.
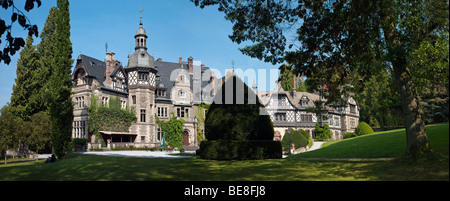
x=180 y=60
x=110 y=65
x=191 y=64
x=212 y=78
x=294 y=87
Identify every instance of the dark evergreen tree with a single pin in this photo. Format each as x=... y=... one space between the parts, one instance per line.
x=46 y=49
x=60 y=84
x=237 y=116
x=23 y=101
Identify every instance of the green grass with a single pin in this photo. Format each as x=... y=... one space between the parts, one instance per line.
x=78 y=167
x=380 y=144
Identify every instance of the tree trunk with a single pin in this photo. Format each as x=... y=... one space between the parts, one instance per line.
x=416 y=137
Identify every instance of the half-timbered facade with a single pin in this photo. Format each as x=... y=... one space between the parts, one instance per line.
x=289 y=110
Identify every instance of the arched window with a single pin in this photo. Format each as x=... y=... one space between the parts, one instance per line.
x=182 y=78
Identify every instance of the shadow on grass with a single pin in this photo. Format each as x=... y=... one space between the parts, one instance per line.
x=102 y=168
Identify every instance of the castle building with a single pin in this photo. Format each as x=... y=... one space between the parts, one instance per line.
x=150 y=87
x=289 y=109
x=156 y=87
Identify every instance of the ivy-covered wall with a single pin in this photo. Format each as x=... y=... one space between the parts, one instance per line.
x=109 y=117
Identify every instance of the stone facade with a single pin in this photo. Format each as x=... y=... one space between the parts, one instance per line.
x=289 y=110
x=149 y=87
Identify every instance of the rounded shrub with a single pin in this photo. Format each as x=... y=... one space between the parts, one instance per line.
x=295 y=137
x=363 y=129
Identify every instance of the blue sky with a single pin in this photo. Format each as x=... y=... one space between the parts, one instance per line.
x=176 y=28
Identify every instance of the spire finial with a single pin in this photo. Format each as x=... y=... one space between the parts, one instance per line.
x=232 y=63
x=141 y=15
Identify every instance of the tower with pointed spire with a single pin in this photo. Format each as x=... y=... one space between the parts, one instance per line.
x=141 y=71
x=141 y=37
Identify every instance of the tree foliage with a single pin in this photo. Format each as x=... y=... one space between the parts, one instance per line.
x=237 y=116
x=322 y=133
x=286 y=79
x=173 y=130
x=25 y=99
x=15 y=133
x=380 y=102
x=60 y=84
x=295 y=138
x=109 y=117
x=13 y=44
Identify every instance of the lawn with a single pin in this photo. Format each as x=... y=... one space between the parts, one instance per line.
x=380 y=144
x=78 y=167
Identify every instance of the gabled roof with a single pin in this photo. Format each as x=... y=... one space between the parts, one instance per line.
x=166 y=68
x=97 y=69
x=93 y=67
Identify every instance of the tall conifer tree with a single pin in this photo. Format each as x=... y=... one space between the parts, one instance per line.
x=46 y=49
x=23 y=100
x=60 y=85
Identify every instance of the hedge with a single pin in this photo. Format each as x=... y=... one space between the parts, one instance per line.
x=240 y=150
x=349 y=135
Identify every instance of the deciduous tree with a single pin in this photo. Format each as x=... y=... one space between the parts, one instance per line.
x=341 y=43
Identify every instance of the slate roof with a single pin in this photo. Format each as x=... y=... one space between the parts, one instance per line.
x=140 y=58
x=97 y=69
x=93 y=67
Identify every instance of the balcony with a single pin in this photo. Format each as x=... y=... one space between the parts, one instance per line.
x=188 y=119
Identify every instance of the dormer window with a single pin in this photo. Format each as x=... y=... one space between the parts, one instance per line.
x=182 y=78
x=181 y=94
x=304 y=101
x=160 y=93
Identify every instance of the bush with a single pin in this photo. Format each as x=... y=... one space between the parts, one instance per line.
x=78 y=143
x=322 y=133
x=296 y=138
x=239 y=150
x=307 y=136
x=237 y=120
x=363 y=129
x=234 y=128
x=349 y=135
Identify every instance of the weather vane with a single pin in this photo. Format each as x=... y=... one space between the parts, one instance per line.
x=140 y=11
x=232 y=63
